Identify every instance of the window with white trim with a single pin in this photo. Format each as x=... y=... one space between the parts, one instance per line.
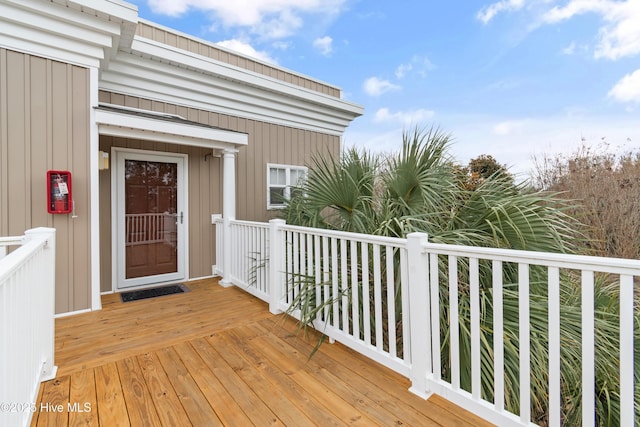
x=281 y=179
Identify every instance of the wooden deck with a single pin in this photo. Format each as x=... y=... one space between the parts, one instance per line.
x=216 y=356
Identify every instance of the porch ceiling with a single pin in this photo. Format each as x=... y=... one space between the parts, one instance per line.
x=153 y=126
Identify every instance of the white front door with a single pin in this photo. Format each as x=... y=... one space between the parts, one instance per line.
x=150 y=217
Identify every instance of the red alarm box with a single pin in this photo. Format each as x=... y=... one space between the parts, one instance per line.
x=59 y=200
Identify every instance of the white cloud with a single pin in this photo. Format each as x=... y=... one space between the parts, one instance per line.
x=377 y=141
x=283 y=25
x=619 y=37
x=324 y=45
x=576 y=49
x=473 y=135
x=281 y=45
x=403 y=69
x=574 y=8
x=536 y=136
x=507 y=127
x=268 y=18
x=375 y=87
x=627 y=89
x=419 y=64
x=413 y=117
x=569 y=50
x=487 y=13
x=246 y=49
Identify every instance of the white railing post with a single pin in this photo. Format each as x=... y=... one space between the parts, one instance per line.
x=276 y=258
x=627 y=406
x=47 y=272
x=419 y=313
x=216 y=220
x=226 y=249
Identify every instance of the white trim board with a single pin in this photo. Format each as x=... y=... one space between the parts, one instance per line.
x=131 y=126
x=94 y=194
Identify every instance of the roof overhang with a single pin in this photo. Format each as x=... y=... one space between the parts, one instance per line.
x=82 y=32
x=170 y=129
x=159 y=72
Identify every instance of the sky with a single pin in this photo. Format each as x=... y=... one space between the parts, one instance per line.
x=515 y=79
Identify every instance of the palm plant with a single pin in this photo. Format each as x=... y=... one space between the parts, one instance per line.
x=420 y=189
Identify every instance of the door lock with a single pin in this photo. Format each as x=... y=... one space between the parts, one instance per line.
x=179 y=217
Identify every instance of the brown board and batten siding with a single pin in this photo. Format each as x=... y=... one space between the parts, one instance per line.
x=181 y=41
x=44 y=118
x=268 y=143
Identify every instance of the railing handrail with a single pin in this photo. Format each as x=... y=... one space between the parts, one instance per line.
x=571 y=261
x=250 y=223
x=365 y=238
x=16 y=258
x=129 y=215
x=11 y=240
x=563 y=260
x=368 y=238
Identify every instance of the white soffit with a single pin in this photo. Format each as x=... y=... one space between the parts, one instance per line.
x=82 y=32
x=151 y=126
x=161 y=72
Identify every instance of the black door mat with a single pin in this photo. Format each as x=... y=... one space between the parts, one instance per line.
x=153 y=292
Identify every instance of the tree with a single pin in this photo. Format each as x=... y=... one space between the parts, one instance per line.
x=482 y=168
x=606 y=191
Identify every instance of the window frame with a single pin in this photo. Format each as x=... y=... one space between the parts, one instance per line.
x=288 y=184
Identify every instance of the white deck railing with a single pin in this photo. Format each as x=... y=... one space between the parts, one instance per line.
x=387 y=299
x=27 y=280
x=247 y=257
x=148 y=228
x=553 y=267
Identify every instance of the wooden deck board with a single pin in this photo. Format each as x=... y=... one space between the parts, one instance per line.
x=195 y=403
x=136 y=395
x=112 y=409
x=166 y=401
x=301 y=372
x=306 y=401
x=82 y=393
x=354 y=389
x=53 y=406
x=216 y=356
x=380 y=379
x=280 y=404
x=224 y=404
x=251 y=405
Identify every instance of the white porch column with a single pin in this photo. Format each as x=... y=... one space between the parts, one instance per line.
x=228 y=210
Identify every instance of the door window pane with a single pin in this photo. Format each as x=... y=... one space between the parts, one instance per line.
x=150 y=191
